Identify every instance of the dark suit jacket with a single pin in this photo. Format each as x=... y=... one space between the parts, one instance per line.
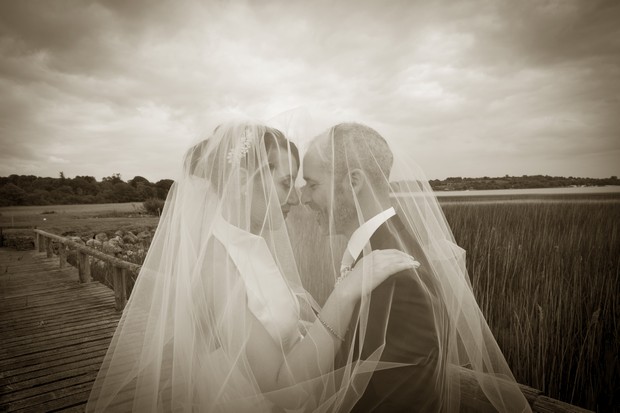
x=402 y=314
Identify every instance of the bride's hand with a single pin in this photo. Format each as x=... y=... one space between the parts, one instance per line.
x=372 y=270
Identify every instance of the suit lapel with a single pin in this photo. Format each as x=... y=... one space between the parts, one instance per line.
x=386 y=234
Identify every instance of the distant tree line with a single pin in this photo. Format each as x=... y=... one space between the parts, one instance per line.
x=518 y=182
x=34 y=190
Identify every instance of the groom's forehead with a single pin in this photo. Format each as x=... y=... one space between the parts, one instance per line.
x=312 y=164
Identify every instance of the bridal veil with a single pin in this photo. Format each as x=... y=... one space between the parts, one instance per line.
x=423 y=328
x=221 y=248
x=223 y=257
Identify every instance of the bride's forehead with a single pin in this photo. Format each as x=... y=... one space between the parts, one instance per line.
x=282 y=159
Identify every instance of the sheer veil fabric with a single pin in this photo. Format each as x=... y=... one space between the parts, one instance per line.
x=220 y=259
x=223 y=280
x=421 y=327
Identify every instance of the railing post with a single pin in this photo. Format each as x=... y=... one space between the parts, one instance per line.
x=80 y=267
x=62 y=254
x=48 y=247
x=83 y=267
x=120 y=288
x=36 y=241
x=41 y=241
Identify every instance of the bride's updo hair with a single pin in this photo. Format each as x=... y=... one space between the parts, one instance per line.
x=210 y=158
x=274 y=139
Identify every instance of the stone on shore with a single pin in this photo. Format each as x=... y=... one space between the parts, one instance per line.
x=130 y=238
x=94 y=243
x=76 y=239
x=110 y=247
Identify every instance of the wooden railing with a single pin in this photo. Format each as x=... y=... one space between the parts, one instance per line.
x=473 y=398
x=43 y=242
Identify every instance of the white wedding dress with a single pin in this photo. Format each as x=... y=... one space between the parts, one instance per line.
x=210 y=272
x=270 y=300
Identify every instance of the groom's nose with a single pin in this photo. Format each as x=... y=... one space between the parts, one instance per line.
x=293 y=196
x=305 y=198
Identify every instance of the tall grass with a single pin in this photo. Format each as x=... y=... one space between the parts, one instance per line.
x=547 y=278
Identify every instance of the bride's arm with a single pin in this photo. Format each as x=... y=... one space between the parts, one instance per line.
x=314 y=355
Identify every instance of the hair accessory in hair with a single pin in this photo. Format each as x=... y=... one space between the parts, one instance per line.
x=241 y=149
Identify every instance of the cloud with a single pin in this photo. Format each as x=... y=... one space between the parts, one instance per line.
x=474 y=88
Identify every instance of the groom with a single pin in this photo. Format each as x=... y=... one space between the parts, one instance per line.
x=346 y=171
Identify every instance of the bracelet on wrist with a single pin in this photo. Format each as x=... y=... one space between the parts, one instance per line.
x=343 y=274
x=330 y=329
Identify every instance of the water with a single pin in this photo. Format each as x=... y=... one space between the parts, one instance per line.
x=605 y=194
x=581 y=190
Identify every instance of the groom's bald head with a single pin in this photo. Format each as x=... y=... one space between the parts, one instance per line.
x=349 y=146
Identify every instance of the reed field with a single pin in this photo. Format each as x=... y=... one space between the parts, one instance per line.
x=547 y=278
x=546 y=275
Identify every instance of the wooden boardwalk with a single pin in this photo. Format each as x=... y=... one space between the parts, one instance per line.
x=54 y=333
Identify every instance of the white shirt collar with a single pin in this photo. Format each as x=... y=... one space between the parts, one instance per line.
x=362 y=235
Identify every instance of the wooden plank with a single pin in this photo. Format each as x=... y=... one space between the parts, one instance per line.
x=544 y=404
x=40 y=367
x=57 y=344
x=40 y=319
x=54 y=289
x=20 y=267
x=66 y=397
x=41 y=296
x=57 y=333
x=79 y=408
x=42 y=301
x=8 y=324
x=53 y=285
x=69 y=320
x=15 y=281
x=30 y=359
x=48 y=336
x=53 y=374
x=20 y=328
x=81 y=295
x=47 y=389
x=66 y=401
x=35 y=286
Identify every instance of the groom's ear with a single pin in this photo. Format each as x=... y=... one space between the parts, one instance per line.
x=357 y=179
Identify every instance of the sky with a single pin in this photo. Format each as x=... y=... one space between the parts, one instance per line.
x=468 y=88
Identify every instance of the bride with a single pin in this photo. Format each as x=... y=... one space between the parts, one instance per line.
x=219 y=319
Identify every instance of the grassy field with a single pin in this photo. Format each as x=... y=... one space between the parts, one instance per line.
x=546 y=274
x=78 y=219
x=545 y=271
x=547 y=277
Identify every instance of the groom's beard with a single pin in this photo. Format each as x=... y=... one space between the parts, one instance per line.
x=344 y=212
